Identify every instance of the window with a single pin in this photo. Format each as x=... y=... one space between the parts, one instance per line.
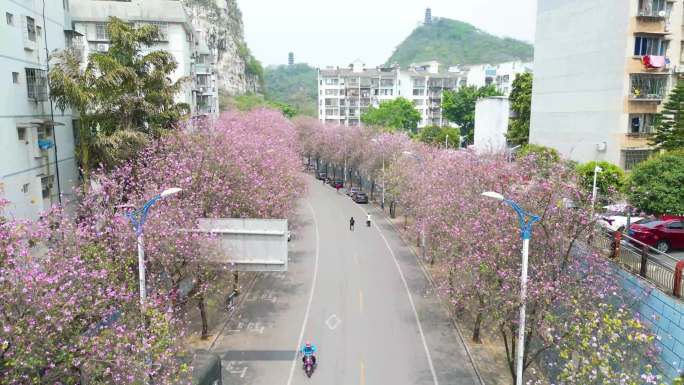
x=30 y=28
x=10 y=18
x=15 y=77
x=641 y=124
x=331 y=81
x=386 y=83
x=331 y=92
x=36 y=84
x=39 y=31
x=652 y=8
x=418 y=91
x=418 y=102
x=676 y=226
x=163 y=28
x=634 y=157
x=648 y=87
x=203 y=59
x=44 y=132
x=101 y=32
x=46 y=185
x=649 y=45
x=65 y=5
x=21 y=133
x=25 y=188
x=331 y=102
x=203 y=80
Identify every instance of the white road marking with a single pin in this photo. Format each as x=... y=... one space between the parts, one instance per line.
x=333 y=322
x=311 y=295
x=410 y=298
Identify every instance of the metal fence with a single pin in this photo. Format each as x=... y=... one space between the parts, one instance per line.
x=661 y=269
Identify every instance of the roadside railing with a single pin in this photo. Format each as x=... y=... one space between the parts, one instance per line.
x=638 y=258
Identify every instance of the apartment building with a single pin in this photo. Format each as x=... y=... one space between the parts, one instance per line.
x=178 y=36
x=36 y=139
x=499 y=75
x=344 y=94
x=602 y=71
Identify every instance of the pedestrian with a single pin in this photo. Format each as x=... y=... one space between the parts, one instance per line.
x=368 y=220
x=351 y=224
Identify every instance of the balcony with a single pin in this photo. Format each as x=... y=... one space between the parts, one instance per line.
x=654 y=10
x=648 y=88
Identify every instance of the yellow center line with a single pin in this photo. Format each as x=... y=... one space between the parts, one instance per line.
x=362 y=374
x=361 y=300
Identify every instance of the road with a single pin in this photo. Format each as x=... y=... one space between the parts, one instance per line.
x=360 y=296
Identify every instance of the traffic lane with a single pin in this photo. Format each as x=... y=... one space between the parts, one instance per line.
x=450 y=359
x=259 y=344
x=360 y=313
x=383 y=279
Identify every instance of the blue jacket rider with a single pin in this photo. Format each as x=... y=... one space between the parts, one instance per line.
x=309 y=350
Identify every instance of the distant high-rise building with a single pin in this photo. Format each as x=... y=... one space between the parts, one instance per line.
x=428 y=16
x=290 y=58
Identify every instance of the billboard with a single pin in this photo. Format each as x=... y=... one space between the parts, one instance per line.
x=249 y=244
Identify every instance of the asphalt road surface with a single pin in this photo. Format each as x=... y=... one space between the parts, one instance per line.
x=360 y=296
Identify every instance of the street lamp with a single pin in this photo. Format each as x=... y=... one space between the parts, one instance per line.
x=594 y=191
x=422 y=227
x=138 y=218
x=525 y=220
x=382 y=203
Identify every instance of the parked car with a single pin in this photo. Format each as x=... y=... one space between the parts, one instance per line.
x=360 y=197
x=616 y=221
x=664 y=233
x=353 y=190
x=337 y=183
x=321 y=176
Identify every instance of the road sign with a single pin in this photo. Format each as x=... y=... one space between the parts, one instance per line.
x=249 y=244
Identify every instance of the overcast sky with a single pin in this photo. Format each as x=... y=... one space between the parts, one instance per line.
x=336 y=32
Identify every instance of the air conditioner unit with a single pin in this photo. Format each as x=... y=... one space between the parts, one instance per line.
x=102 y=47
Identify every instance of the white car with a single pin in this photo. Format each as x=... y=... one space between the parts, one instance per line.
x=615 y=218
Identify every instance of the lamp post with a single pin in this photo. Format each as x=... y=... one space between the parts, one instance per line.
x=525 y=220
x=422 y=227
x=138 y=218
x=594 y=191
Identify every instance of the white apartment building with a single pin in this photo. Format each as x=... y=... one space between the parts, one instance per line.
x=344 y=94
x=32 y=132
x=500 y=75
x=178 y=36
x=602 y=71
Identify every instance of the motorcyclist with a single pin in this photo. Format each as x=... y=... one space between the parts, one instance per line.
x=368 y=220
x=309 y=350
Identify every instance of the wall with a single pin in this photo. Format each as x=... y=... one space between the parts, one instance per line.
x=491 y=124
x=19 y=163
x=665 y=315
x=579 y=76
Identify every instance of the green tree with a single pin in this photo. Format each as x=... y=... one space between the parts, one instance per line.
x=248 y=102
x=295 y=85
x=399 y=114
x=655 y=185
x=123 y=96
x=521 y=103
x=458 y=106
x=608 y=182
x=669 y=133
x=438 y=136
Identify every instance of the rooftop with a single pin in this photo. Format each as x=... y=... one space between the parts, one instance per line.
x=136 y=10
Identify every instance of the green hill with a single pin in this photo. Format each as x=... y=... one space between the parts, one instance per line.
x=455 y=42
x=294 y=85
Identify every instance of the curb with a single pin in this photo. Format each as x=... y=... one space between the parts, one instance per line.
x=432 y=282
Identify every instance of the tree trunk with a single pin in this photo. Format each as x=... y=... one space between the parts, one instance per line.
x=203 y=314
x=476 y=327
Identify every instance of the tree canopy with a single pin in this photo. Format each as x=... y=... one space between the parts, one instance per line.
x=455 y=42
x=655 y=185
x=249 y=102
x=294 y=85
x=609 y=181
x=123 y=96
x=521 y=105
x=458 y=106
x=669 y=134
x=399 y=114
x=440 y=136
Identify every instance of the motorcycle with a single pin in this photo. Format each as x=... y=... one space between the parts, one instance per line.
x=309 y=365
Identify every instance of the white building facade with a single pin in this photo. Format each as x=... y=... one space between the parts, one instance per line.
x=491 y=125
x=499 y=75
x=178 y=37
x=36 y=139
x=344 y=94
x=602 y=71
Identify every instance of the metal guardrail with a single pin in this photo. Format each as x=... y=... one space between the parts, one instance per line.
x=659 y=268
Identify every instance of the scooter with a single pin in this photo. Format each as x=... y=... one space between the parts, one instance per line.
x=309 y=366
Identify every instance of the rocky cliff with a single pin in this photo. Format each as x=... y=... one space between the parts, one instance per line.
x=220 y=25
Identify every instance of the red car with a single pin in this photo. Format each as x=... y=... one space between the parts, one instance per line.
x=664 y=234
